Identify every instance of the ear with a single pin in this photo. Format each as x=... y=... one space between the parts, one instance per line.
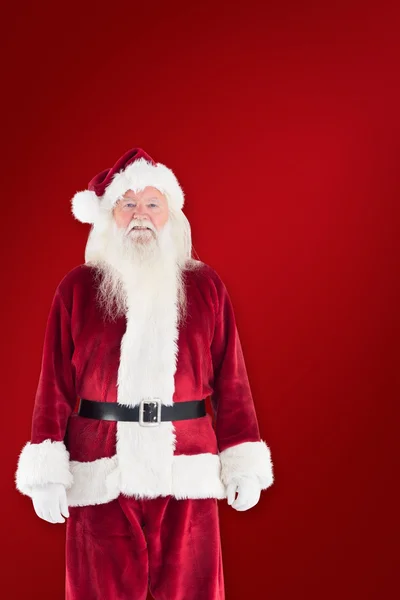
x=85 y=206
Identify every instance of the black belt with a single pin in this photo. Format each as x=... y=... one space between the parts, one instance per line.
x=147 y=413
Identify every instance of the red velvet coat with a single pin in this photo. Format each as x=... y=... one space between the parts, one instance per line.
x=88 y=356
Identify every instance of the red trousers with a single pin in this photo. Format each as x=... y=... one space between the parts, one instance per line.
x=119 y=550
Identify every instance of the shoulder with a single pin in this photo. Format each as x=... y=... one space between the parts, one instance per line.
x=200 y=272
x=79 y=275
x=77 y=282
x=207 y=280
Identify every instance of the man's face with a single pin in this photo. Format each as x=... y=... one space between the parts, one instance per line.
x=137 y=212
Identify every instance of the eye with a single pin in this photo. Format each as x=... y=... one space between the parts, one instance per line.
x=129 y=204
x=152 y=204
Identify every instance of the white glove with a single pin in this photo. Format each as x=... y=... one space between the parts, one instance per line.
x=248 y=491
x=50 y=502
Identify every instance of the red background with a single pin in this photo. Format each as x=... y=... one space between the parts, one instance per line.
x=282 y=124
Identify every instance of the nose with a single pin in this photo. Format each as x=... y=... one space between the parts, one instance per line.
x=140 y=211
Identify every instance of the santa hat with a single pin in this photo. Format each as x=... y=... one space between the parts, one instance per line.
x=135 y=170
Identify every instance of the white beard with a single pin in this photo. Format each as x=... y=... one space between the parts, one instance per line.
x=135 y=272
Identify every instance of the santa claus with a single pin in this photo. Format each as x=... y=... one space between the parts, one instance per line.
x=137 y=338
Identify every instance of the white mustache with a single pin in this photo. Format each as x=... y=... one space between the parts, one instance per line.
x=137 y=223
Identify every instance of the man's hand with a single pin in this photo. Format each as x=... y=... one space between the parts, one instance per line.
x=50 y=502
x=248 y=491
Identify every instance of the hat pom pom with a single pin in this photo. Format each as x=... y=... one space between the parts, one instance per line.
x=85 y=206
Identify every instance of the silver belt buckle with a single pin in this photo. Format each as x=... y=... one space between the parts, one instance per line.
x=154 y=411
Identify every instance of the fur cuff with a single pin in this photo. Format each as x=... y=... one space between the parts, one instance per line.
x=249 y=460
x=43 y=463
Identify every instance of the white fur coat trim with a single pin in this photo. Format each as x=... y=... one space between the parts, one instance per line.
x=147 y=368
x=38 y=464
x=247 y=460
x=189 y=476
